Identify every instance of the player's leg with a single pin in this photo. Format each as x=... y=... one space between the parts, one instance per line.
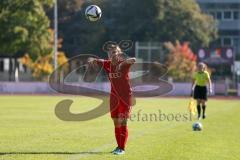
x=124 y=133
x=123 y=114
x=117 y=131
x=122 y=122
x=204 y=109
x=196 y=96
x=199 y=108
x=203 y=101
x=114 y=115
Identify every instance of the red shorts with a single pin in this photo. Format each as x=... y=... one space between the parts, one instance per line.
x=120 y=109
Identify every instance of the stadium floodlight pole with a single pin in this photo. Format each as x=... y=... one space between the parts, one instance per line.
x=55 y=35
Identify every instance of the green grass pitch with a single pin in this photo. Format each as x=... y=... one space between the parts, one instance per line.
x=31 y=131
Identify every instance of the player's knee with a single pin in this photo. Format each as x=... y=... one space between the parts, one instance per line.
x=123 y=122
x=198 y=102
x=117 y=125
x=116 y=122
x=203 y=103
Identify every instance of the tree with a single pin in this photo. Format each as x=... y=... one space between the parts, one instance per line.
x=42 y=66
x=181 y=61
x=185 y=21
x=80 y=36
x=138 y=20
x=164 y=20
x=24 y=27
x=66 y=9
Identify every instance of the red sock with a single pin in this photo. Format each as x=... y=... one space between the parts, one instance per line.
x=123 y=136
x=117 y=135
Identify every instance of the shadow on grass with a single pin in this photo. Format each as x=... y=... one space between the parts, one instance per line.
x=63 y=153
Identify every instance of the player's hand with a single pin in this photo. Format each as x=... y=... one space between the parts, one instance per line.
x=192 y=90
x=127 y=61
x=131 y=60
x=210 y=91
x=91 y=61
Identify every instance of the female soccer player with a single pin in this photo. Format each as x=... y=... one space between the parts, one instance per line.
x=121 y=94
x=201 y=79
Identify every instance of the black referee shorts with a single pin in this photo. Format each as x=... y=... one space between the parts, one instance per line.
x=200 y=92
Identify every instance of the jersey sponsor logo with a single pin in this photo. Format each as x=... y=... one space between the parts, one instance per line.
x=115 y=75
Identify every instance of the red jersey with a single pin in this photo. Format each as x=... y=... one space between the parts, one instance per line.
x=120 y=85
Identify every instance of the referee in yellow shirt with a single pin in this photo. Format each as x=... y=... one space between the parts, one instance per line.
x=201 y=79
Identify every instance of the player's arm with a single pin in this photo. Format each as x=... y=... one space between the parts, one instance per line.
x=209 y=84
x=129 y=61
x=94 y=61
x=193 y=84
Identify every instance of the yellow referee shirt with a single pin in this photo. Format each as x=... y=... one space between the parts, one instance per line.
x=201 y=78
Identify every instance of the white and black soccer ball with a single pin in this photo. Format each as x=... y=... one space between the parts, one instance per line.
x=93 y=13
x=197 y=126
